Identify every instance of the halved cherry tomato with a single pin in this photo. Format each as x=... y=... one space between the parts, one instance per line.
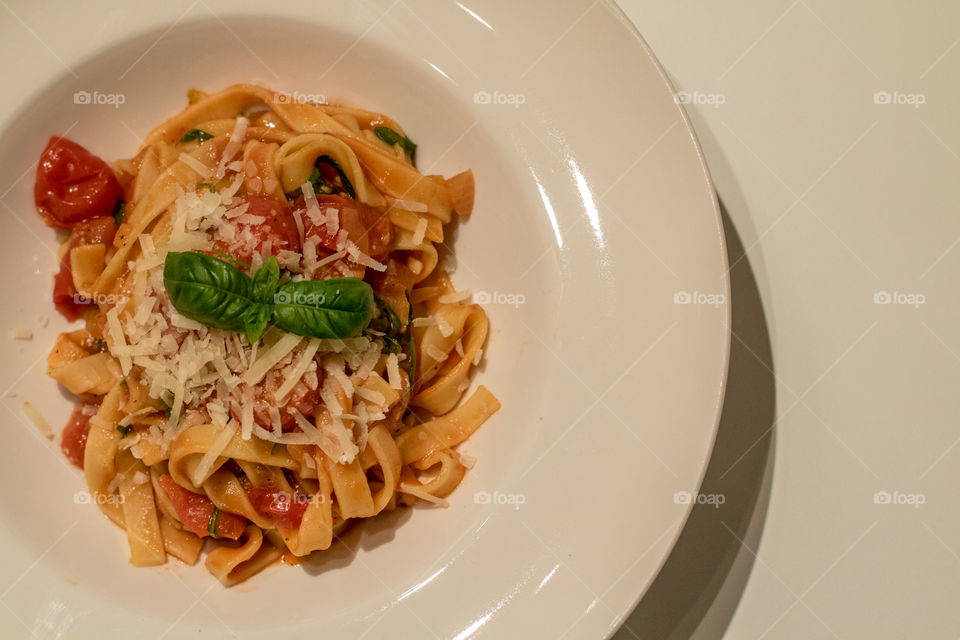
x=366 y=227
x=73 y=184
x=73 y=440
x=301 y=399
x=99 y=230
x=286 y=510
x=279 y=227
x=195 y=510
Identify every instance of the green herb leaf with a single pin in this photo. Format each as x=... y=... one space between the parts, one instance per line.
x=320 y=185
x=201 y=185
x=124 y=429
x=392 y=138
x=209 y=290
x=212 y=523
x=196 y=134
x=335 y=308
x=386 y=322
x=219 y=295
x=265 y=281
x=119 y=211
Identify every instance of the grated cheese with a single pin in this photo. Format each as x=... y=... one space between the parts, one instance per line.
x=456 y=296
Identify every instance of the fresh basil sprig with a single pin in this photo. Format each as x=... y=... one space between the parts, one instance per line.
x=217 y=294
x=392 y=138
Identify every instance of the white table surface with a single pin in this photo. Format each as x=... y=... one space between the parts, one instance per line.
x=831 y=199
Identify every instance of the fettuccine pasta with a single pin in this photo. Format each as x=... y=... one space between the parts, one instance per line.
x=272 y=349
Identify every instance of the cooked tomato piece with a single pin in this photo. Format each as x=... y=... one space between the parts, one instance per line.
x=65 y=297
x=366 y=227
x=301 y=399
x=73 y=440
x=99 y=230
x=73 y=184
x=195 y=511
x=285 y=509
x=278 y=226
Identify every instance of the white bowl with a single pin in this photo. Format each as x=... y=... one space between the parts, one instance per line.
x=596 y=241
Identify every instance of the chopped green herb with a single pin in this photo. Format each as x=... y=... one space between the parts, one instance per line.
x=212 y=524
x=321 y=185
x=123 y=383
x=393 y=138
x=168 y=411
x=99 y=345
x=124 y=429
x=119 y=211
x=201 y=185
x=196 y=134
x=387 y=325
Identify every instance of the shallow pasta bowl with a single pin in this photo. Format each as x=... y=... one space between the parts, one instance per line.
x=595 y=246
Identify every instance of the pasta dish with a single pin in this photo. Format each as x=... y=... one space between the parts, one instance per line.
x=272 y=348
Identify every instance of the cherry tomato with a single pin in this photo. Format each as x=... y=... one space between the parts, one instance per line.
x=285 y=509
x=279 y=227
x=195 y=510
x=73 y=184
x=99 y=230
x=301 y=399
x=366 y=227
x=73 y=440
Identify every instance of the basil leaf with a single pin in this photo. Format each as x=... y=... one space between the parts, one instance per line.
x=385 y=321
x=320 y=185
x=196 y=134
x=208 y=290
x=256 y=321
x=207 y=185
x=335 y=308
x=119 y=211
x=392 y=138
x=212 y=523
x=265 y=280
